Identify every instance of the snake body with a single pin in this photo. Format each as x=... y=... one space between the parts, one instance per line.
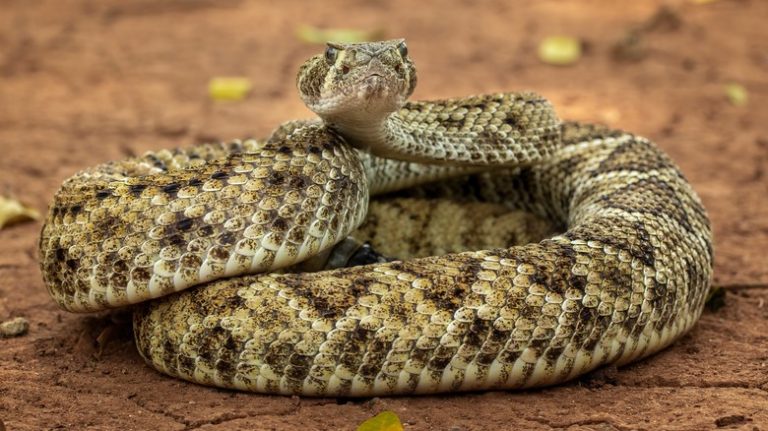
x=283 y=304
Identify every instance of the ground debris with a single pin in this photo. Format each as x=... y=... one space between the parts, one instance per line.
x=731 y=420
x=384 y=421
x=15 y=327
x=560 y=50
x=229 y=88
x=13 y=211
x=736 y=94
x=631 y=46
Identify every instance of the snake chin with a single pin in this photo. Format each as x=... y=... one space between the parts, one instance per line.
x=374 y=95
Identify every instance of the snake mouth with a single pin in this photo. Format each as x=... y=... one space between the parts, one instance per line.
x=374 y=86
x=373 y=80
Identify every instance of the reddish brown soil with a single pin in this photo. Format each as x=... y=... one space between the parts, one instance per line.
x=83 y=81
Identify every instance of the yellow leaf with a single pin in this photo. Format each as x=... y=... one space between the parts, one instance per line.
x=384 y=421
x=736 y=93
x=12 y=211
x=229 y=88
x=560 y=50
x=310 y=34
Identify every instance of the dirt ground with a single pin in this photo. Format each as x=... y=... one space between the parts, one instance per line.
x=84 y=81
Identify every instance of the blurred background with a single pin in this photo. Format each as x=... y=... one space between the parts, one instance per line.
x=86 y=81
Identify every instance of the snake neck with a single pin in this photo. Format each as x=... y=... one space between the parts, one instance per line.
x=383 y=136
x=393 y=137
x=501 y=130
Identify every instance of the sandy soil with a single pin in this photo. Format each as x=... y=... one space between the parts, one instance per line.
x=84 y=81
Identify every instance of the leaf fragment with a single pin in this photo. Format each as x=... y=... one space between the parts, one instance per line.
x=228 y=88
x=13 y=211
x=310 y=34
x=559 y=50
x=737 y=94
x=384 y=421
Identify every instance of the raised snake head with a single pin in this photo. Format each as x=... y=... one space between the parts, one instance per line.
x=357 y=81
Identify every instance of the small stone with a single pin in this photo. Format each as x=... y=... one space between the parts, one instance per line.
x=15 y=327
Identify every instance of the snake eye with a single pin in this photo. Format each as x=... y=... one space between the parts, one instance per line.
x=330 y=54
x=403 y=49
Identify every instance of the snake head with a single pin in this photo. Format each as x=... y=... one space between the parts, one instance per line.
x=357 y=80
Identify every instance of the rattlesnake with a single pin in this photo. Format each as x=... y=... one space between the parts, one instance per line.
x=628 y=274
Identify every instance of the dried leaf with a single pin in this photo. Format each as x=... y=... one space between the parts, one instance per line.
x=384 y=421
x=560 y=50
x=736 y=93
x=310 y=34
x=630 y=48
x=703 y=1
x=12 y=211
x=229 y=88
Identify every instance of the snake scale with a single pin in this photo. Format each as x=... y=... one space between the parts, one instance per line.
x=286 y=302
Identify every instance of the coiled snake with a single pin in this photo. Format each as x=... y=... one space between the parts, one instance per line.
x=322 y=315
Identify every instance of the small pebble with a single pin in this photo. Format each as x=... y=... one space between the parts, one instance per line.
x=14 y=328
